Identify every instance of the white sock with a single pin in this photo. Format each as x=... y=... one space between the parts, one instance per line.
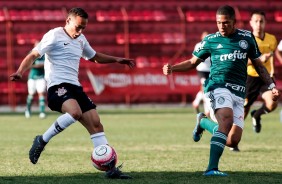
x=59 y=125
x=98 y=139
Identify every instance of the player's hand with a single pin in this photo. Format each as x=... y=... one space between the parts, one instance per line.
x=167 y=69
x=15 y=76
x=128 y=62
x=276 y=94
x=266 y=56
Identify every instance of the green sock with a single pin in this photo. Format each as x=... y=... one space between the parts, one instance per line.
x=209 y=125
x=42 y=104
x=218 y=142
x=29 y=102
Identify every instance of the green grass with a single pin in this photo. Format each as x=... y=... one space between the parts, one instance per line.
x=154 y=144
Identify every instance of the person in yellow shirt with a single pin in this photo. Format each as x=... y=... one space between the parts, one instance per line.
x=255 y=86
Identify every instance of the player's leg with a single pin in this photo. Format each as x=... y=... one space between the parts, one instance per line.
x=253 y=86
x=235 y=134
x=268 y=104
x=31 y=91
x=234 y=137
x=200 y=95
x=41 y=88
x=61 y=100
x=91 y=121
x=71 y=112
x=205 y=123
x=222 y=104
x=196 y=102
x=207 y=105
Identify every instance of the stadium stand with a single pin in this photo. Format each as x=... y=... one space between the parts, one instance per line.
x=153 y=32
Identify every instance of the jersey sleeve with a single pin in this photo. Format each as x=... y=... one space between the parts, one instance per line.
x=46 y=43
x=202 y=50
x=88 y=51
x=254 y=52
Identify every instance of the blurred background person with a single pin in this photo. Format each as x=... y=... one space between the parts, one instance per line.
x=36 y=83
x=203 y=71
x=267 y=44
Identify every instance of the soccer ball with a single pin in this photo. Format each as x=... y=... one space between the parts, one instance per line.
x=104 y=157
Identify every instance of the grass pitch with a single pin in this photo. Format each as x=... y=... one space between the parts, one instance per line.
x=154 y=145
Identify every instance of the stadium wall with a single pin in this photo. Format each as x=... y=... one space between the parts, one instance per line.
x=153 y=32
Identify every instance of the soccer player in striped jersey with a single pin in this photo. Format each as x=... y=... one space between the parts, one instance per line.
x=229 y=50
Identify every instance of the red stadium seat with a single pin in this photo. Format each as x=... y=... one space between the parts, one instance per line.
x=243 y=15
x=4 y=87
x=142 y=62
x=120 y=38
x=36 y=15
x=28 y=38
x=155 y=62
x=2 y=16
x=156 y=38
x=134 y=38
x=159 y=15
x=112 y=15
x=14 y=15
x=278 y=16
x=200 y=15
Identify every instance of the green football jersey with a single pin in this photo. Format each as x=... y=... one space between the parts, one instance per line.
x=37 y=73
x=229 y=58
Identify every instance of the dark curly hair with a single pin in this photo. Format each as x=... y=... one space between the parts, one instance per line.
x=226 y=10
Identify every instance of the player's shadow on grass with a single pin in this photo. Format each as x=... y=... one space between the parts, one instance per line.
x=161 y=177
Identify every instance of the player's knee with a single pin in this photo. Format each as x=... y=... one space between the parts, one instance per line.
x=76 y=114
x=271 y=106
x=98 y=127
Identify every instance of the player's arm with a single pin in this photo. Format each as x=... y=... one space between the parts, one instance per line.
x=263 y=73
x=25 y=65
x=182 y=66
x=266 y=56
x=104 y=59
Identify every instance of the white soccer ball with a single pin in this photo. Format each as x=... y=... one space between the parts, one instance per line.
x=104 y=157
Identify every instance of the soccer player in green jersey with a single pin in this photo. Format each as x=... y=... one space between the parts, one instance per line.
x=36 y=83
x=229 y=49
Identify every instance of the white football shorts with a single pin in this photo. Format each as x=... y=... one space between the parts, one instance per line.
x=38 y=85
x=222 y=97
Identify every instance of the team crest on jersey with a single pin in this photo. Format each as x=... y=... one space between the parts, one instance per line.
x=61 y=91
x=221 y=100
x=243 y=44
